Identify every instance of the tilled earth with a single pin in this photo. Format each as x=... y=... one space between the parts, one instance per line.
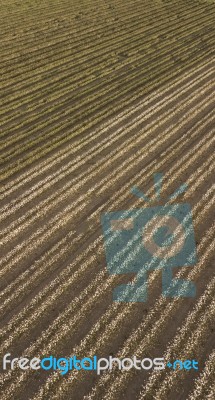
x=97 y=97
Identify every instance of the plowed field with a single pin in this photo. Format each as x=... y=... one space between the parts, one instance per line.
x=96 y=97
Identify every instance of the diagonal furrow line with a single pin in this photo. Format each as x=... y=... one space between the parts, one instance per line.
x=171 y=131
x=104 y=130
x=190 y=22
x=202 y=384
x=9 y=188
x=200 y=214
x=87 y=155
x=99 y=27
x=55 y=142
x=176 y=147
x=135 y=340
x=50 y=344
x=55 y=378
x=136 y=346
x=65 y=274
x=186 y=338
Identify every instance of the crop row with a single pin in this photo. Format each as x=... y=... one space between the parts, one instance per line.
x=102 y=128
x=55 y=142
x=60 y=194
x=41 y=309
x=105 y=142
